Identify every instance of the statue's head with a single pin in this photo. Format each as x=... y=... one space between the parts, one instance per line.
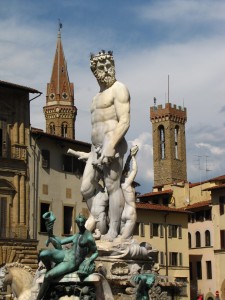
x=80 y=220
x=103 y=67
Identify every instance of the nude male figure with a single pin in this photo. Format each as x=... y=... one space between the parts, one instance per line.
x=110 y=118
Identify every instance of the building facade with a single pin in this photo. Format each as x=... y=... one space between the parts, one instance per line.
x=207 y=239
x=16 y=244
x=55 y=181
x=165 y=228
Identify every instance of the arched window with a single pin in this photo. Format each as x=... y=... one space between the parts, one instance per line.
x=64 y=129
x=189 y=240
x=207 y=238
x=198 y=239
x=176 y=145
x=162 y=141
x=52 y=128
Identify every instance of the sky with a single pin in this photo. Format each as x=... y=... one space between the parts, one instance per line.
x=151 y=40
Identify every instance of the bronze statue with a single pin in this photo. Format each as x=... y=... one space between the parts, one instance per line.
x=80 y=257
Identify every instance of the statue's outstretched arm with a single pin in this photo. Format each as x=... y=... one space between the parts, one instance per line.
x=67 y=240
x=81 y=155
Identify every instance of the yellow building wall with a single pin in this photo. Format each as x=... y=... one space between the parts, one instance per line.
x=167 y=244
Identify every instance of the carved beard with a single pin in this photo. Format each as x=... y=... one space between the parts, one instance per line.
x=105 y=78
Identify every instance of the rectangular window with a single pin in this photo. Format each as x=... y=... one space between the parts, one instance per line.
x=43 y=209
x=173 y=231
x=173 y=258
x=209 y=269
x=221 y=203
x=199 y=269
x=3 y=217
x=73 y=165
x=67 y=220
x=142 y=229
x=155 y=229
x=45 y=159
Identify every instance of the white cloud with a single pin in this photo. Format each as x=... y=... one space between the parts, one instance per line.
x=183 y=10
x=213 y=149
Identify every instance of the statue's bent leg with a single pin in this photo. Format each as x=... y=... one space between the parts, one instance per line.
x=116 y=198
x=89 y=182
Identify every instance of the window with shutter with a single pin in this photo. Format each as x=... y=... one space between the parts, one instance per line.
x=173 y=256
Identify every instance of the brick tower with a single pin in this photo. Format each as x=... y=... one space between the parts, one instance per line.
x=169 y=147
x=60 y=112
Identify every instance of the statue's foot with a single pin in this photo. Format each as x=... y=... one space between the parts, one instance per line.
x=110 y=236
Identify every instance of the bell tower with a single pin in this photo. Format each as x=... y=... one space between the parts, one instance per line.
x=60 y=112
x=169 y=146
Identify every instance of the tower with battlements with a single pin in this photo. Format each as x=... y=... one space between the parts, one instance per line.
x=169 y=146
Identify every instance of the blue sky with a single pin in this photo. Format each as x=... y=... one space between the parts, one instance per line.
x=150 y=39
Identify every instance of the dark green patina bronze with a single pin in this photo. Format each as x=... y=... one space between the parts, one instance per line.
x=80 y=257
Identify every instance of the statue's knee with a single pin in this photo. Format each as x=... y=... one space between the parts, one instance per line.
x=43 y=254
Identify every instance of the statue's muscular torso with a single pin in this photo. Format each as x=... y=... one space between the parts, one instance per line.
x=110 y=108
x=103 y=115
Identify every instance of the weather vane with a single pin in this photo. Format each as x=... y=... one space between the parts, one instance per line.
x=60 y=24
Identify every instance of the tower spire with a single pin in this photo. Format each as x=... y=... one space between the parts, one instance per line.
x=60 y=111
